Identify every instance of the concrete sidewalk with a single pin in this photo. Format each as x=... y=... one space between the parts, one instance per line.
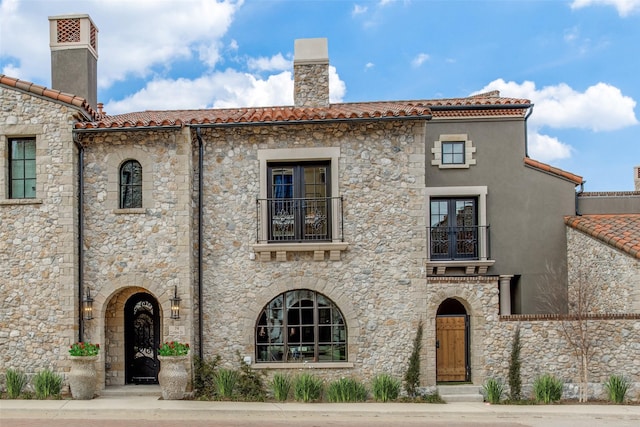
x=150 y=407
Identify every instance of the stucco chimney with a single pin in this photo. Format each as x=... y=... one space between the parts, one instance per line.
x=73 y=40
x=311 y=73
x=636 y=177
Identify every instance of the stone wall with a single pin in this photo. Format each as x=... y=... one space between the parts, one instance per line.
x=38 y=239
x=616 y=343
x=376 y=283
x=615 y=274
x=145 y=249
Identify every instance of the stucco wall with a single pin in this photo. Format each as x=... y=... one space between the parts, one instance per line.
x=525 y=207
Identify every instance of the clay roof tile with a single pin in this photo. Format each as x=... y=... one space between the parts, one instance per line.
x=621 y=231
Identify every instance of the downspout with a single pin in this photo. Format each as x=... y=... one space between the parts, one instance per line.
x=76 y=140
x=200 y=216
x=578 y=193
x=526 y=132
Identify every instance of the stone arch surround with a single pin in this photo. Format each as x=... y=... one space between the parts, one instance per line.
x=107 y=325
x=334 y=293
x=480 y=298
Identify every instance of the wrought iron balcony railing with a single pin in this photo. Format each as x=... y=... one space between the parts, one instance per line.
x=299 y=219
x=459 y=243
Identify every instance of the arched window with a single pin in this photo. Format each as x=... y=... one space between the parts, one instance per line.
x=301 y=325
x=130 y=185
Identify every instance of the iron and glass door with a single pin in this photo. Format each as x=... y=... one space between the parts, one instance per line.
x=142 y=339
x=299 y=201
x=454 y=228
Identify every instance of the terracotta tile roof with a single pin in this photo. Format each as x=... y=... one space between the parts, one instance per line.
x=257 y=115
x=56 y=95
x=553 y=170
x=485 y=105
x=454 y=107
x=621 y=231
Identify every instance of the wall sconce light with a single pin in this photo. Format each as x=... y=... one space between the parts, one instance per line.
x=87 y=303
x=175 y=304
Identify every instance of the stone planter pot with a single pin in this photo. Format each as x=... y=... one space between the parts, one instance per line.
x=173 y=377
x=82 y=377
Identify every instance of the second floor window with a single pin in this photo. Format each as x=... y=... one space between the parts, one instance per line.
x=299 y=201
x=22 y=169
x=453 y=153
x=130 y=185
x=454 y=228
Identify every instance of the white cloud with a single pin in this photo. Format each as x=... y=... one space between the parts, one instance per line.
x=275 y=63
x=624 y=7
x=419 y=59
x=226 y=89
x=358 y=10
x=601 y=107
x=134 y=36
x=369 y=65
x=337 y=87
x=547 y=148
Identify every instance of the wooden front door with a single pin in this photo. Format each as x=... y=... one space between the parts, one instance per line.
x=142 y=339
x=451 y=348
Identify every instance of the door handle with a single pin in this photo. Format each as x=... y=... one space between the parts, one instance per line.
x=437 y=343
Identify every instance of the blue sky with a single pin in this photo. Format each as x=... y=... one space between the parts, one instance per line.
x=578 y=61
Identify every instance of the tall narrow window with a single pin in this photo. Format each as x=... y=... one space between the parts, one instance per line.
x=130 y=185
x=301 y=325
x=454 y=228
x=299 y=202
x=22 y=169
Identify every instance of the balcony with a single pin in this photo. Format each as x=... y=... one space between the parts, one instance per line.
x=299 y=224
x=464 y=247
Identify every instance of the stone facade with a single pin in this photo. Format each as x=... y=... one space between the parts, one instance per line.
x=146 y=249
x=376 y=283
x=545 y=350
x=375 y=267
x=38 y=238
x=616 y=275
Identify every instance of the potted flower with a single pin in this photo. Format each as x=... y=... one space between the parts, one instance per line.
x=173 y=376
x=82 y=377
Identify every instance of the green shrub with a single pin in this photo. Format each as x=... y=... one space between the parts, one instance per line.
x=515 y=380
x=346 y=390
x=385 y=388
x=226 y=380
x=307 y=388
x=281 y=385
x=204 y=380
x=250 y=385
x=493 y=390
x=617 y=387
x=547 y=389
x=412 y=376
x=47 y=384
x=15 y=381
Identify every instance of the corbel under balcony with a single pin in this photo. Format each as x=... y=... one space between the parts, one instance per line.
x=265 y=251
x=470 y=267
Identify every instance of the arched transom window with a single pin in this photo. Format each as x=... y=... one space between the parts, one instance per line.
x=301 y=325
x=130 y=185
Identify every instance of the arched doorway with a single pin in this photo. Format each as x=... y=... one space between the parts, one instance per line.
x=452 y=342
x=142 y=339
